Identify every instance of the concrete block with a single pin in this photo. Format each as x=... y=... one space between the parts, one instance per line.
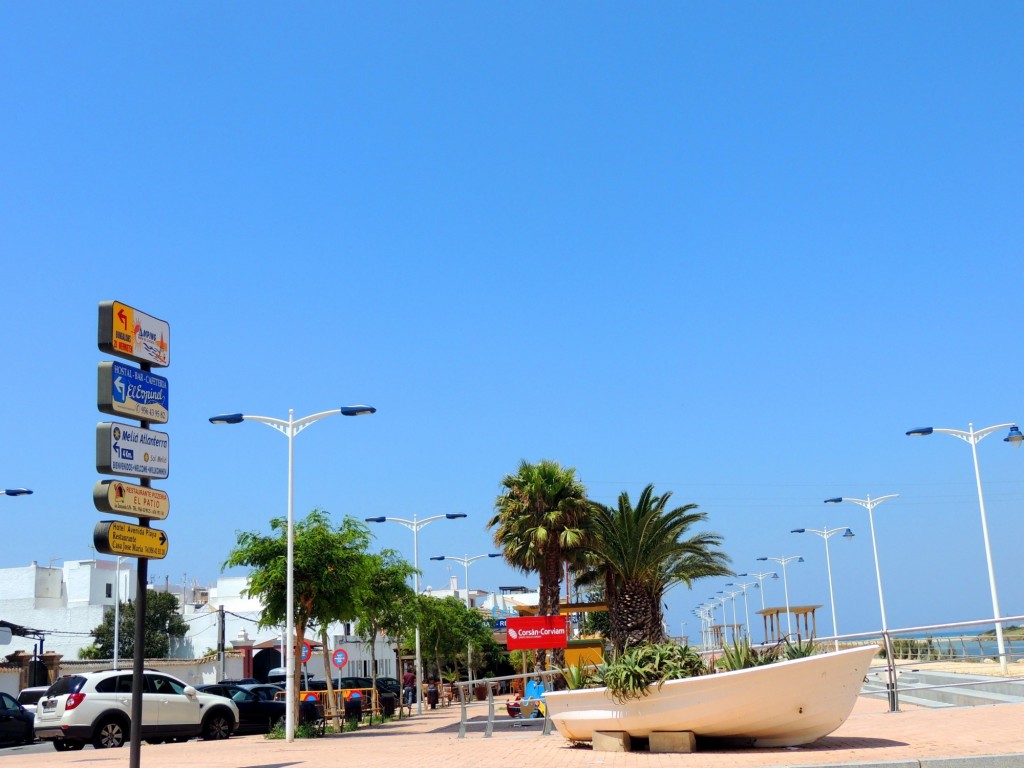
x=673 y=741
x=611 y=741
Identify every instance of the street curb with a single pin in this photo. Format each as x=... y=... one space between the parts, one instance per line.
x=976 y=761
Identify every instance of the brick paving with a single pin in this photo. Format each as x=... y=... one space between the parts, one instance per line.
x=871 y=735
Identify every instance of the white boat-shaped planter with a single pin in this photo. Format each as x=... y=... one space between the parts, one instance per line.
x=777 y=705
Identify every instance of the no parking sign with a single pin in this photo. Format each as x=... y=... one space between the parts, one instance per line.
x=307 y=652
x=340 y=658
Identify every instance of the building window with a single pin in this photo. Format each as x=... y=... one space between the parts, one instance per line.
x=110 y=590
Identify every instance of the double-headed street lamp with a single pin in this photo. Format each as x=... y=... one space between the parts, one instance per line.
x=826 y=534
x=746 y=608
x=760 y=583
x=290 y=428
x=784 y=561
x=1014 y=438
x=414 y=525
x=735 y=621
x=467 y=561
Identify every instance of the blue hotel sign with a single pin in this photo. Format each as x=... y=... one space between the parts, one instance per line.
x=124 y=390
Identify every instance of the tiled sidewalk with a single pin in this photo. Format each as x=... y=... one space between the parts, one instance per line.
x=870 y=736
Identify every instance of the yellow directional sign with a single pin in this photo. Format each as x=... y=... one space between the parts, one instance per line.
x=116 y=538
x=123 y=498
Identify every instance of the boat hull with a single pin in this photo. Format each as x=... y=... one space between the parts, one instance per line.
x=777 y=705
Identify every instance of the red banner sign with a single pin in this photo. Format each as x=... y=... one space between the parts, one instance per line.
x=536 y=632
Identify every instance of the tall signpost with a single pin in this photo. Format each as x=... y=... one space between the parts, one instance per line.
x=137 y=452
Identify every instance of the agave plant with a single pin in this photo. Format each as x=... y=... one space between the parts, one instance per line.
x=579 y=675
x=631 y=674
x=741 y=656
x=800 y=649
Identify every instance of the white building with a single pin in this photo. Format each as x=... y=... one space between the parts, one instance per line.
x=65 y=602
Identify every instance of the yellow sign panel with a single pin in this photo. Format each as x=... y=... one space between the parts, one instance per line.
x=129 y=333
x=115 y=538
x=129 y=499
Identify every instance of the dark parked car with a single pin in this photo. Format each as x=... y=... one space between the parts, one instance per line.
x=17 y=726
x=384 y=684
x=257 y=714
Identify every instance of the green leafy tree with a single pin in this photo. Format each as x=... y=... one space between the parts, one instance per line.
x=327 y=562
x=639 y=552
x=447 y=626
x=385 y=603
x=540 y=523
x=163 y=621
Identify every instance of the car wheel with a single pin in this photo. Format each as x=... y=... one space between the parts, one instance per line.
x=110 y=734
x=63 y=745
x=217 y=726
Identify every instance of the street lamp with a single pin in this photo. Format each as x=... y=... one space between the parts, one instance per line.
x=17 y=492
x=1014 y=438
x=414 y=525
x=467 y=561
x=746 y=607
x=826 y=534
x=760 y=583
x=290 y=429
x=735 y=621
x=725 y=617
x=869 y=504
x=784 y=561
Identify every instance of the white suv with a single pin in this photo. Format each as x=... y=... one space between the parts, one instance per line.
x=95 y=708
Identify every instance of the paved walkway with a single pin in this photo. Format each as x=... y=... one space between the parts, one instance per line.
x=871 y=736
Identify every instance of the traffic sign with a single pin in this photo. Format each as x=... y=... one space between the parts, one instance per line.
x=123 y=498
x=122 y=449
x=112 y=537
x=340 y=658
x=134 y=335
x=306 y=653
x=124 y=390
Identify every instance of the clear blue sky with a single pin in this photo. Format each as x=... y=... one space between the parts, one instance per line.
x=735 y=251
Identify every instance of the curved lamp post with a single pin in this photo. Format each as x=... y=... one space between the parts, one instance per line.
x=784 y=561
x=746 y=607
x=869 y=504
x=290 y=428
x=467 y=561
x=1014 y=438
x=827 y=534
x=414 y=525
x=760 y=583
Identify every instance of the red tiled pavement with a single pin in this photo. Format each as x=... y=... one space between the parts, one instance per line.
x=870 y=735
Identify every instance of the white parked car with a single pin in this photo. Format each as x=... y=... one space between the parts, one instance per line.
x=95 y=708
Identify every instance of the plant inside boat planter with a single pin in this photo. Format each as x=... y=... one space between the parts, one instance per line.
x=641 y=666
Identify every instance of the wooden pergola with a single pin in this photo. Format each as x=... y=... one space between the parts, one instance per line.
x=772 y=618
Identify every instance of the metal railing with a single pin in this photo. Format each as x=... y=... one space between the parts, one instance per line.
x=465 y=690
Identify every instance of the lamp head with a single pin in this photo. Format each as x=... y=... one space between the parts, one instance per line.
x=454 y=515
x=494 y=554
x=920 y=432
x=17 y=492
x=848 y=534
x=1014 y=438
x=439 y=557
x=799 y=559
x=763 y=558
x=227 y=418
x=376 y=519
x=798 y=530
x=775 y=576
x=357 y=410
x=836 y=500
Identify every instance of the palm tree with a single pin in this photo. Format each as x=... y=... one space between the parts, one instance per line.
x=639 y=552
x=539 y=520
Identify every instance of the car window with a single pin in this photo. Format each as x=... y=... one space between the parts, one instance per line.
x=7 y=702
x=69 y=684
x=240 y=694
x=164 y=685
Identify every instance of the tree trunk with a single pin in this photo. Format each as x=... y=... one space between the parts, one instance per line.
x=331 y=698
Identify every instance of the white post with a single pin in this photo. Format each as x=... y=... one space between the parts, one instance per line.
x=117 y=611
x=289 y=708
x=1000 y=643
